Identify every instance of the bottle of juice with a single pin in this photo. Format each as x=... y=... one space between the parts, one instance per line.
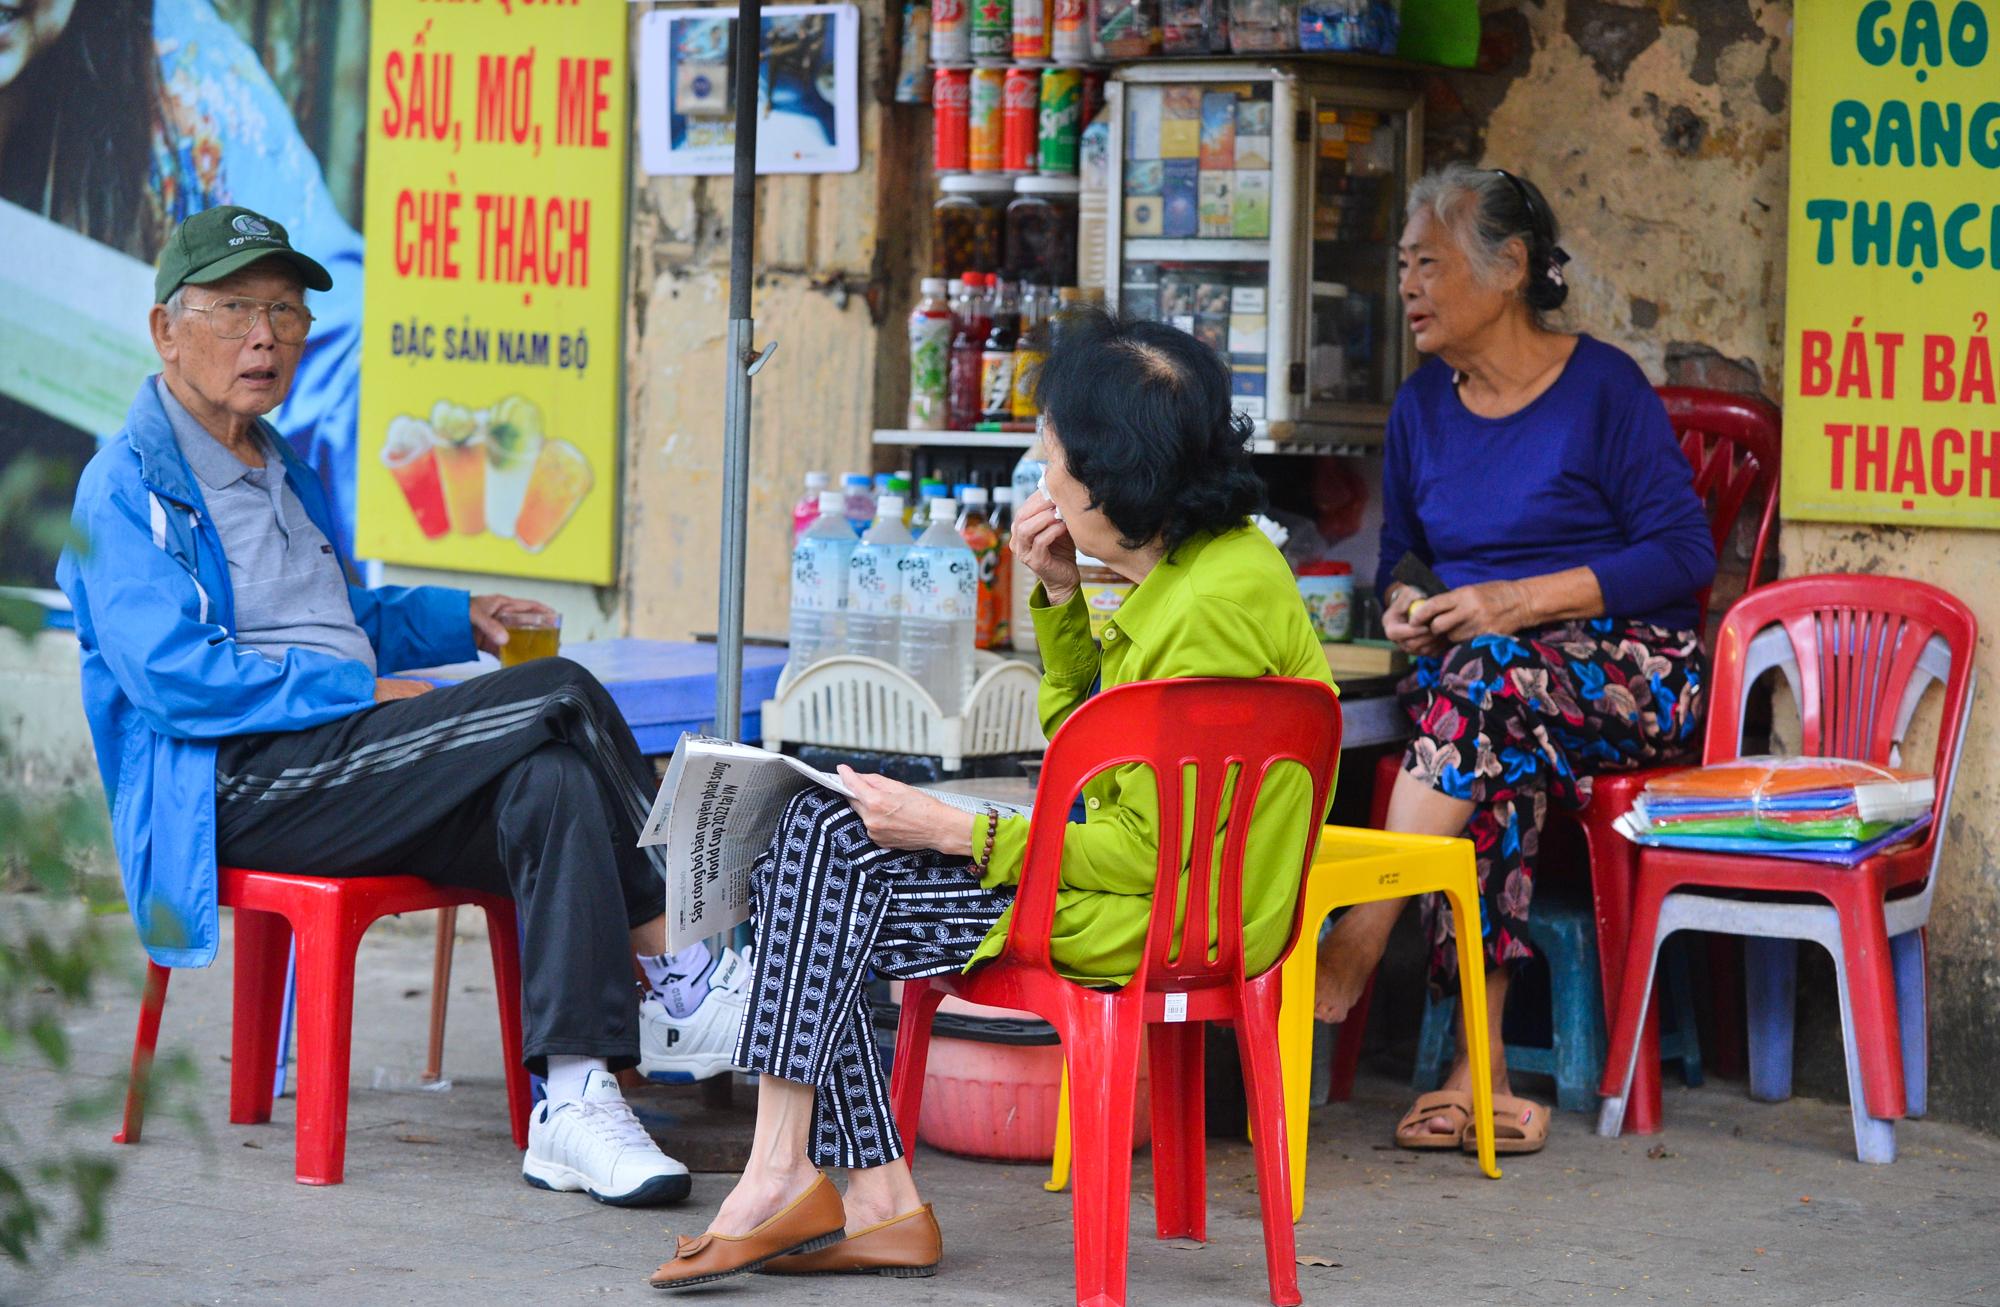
x=996 y=361
x=930 y=358
x=1003 y=569
x=974 y=316
x=1030 y=342
x=975 y=527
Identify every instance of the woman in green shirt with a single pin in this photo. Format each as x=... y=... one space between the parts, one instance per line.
x=1147 y=473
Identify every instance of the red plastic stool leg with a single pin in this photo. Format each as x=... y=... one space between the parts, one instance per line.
x=1263 y=1085
x=506 y=942
x=1180 y=1140
x=1101 y=1054
x=326 y=1031
x=263 y=942
x=143 y=1043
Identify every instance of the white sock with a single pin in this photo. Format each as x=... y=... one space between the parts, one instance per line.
x=567 y=1075
x=680 y=979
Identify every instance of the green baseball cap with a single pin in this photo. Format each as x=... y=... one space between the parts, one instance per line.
x=216 y=242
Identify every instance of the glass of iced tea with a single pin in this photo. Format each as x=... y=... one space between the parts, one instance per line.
x=530 y=636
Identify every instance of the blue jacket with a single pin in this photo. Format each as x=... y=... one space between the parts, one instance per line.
x=163 y=680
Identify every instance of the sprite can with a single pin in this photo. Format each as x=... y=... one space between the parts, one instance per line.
x=1061 y=120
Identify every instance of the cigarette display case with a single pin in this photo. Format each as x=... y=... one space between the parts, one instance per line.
x=1258 y=206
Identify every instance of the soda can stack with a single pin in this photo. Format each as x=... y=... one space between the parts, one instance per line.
x=951 y=120
x=1031 y=31
x=1060 y=116
x=1069 y=34
x=1020 y=120
x=951 y=33
x=983 y=131
x=992 y=31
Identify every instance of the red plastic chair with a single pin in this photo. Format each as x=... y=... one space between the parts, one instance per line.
x=1214 y=727
x=1733 y=444
x=329 y=917
x=1857 y=646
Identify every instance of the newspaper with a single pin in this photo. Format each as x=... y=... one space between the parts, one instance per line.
x=715 y=814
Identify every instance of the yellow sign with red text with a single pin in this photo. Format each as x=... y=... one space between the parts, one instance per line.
x=491 y=390
x=1893 y=293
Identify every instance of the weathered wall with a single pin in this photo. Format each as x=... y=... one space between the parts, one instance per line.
x=829 y=264
x=1657 y=128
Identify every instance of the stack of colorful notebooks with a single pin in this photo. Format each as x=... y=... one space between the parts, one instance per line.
x=1831 y=810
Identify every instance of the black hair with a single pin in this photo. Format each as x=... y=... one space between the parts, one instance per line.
x=1142 y=411
x=1535 y=225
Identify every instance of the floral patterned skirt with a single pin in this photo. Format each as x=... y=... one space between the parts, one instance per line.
x=1513 y=723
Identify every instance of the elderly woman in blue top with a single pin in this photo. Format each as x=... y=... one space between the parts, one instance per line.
x=1536 y=474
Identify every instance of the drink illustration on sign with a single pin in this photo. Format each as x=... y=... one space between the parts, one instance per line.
x=486 y=472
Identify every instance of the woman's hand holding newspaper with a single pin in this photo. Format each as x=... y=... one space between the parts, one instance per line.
x=900 y=816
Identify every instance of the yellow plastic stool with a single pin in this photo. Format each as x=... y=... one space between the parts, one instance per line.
x=1361 y=866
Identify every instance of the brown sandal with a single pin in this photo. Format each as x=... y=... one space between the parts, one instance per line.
x=1519 y=1126
x=1410 y=1131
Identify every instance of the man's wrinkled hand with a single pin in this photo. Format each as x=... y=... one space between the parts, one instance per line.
x=395 y=687
x=489 y=618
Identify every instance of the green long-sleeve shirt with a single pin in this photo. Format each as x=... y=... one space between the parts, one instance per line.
x=1222 y=605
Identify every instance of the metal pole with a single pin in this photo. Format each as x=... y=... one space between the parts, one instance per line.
x=741 y=355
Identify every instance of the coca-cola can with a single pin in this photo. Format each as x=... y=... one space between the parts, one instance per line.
x=1031 y=31
x=1069 y=37
x=951 y=119
x=992 y=31
x=1020 y=120
x=983 y=119
x=1093 y=96
x=951 y=32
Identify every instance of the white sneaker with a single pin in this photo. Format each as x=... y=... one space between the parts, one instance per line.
x=680 y=1051
x=596 y=1145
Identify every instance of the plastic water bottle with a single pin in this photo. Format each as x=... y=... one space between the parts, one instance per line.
x=875 y=585
x=806 y=511
x=1021 y=582
x=858 y=501
x=819 y=586
x=941 y=610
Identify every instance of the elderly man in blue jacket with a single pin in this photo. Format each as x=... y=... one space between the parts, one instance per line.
x=235 y=686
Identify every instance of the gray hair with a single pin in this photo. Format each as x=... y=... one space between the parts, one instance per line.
x=176 y=303
x=1485 y=209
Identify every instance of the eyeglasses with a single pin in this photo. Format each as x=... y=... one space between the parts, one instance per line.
x=236 y=317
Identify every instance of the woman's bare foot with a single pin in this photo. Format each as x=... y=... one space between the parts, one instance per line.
x=761 y=1194
x=1348 y=955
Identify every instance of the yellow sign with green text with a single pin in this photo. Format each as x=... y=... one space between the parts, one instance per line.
x=1894 y=276
x=490 y=393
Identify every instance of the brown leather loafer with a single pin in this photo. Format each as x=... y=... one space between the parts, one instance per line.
x=808 y=1223
x=906 y=1246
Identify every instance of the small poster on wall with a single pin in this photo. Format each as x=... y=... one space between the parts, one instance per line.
x=808 y=91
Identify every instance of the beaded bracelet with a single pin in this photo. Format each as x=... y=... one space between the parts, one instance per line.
x=992 y=834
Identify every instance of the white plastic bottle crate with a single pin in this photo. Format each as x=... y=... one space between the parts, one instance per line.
x=867 y=705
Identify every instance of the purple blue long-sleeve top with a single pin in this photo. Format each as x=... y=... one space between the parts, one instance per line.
x=1588 y=474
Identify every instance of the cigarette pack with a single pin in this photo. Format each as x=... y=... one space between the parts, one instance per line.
x=1181 y=192
x=1177 y=295
x=1212 y=299
x=1217 y=212
x=1139 y=294
x=1248 y=333
x=1144 y=177
x=1181 y=102
x=1246 y=299
x=1250 y=212
x=1252 y=151
x=1142 y=215
x=1213 y=332
x=1246 y=388
x=1253 y=118
x=1180 y=138
x=1218 y=131
x=1142 y=122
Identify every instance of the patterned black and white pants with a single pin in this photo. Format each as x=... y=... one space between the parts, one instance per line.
x=830 y=905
